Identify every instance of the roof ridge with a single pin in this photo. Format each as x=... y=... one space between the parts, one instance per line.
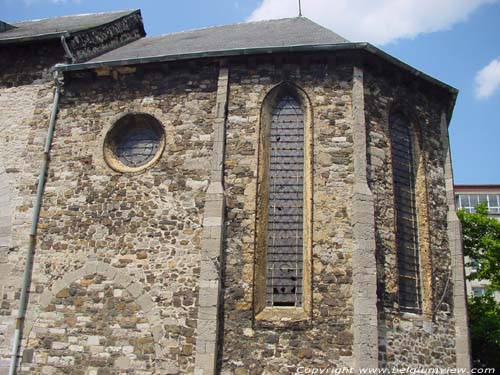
x=324 y=28
x=75 y=15
x=224 y=25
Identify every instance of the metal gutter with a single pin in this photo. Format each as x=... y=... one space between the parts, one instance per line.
x=197 y=55
x=384 y=55
x=361 y=46
x=255 y=51
x=452 y=90
x=28 y=268
x=33 y=38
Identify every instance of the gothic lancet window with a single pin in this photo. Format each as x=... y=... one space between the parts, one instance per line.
x=285 y=205
x=405 y=200
x=283 y=246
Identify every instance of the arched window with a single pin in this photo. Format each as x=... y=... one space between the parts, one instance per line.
x=285 y=250
x=283 y=202
x=406 y=220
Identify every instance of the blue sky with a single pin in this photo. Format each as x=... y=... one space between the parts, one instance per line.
x=456 y=41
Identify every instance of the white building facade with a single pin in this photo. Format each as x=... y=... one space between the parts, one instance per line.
x=467 y=198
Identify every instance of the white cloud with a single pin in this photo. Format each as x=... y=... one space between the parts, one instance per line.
x=375 y=21
x=488 y=79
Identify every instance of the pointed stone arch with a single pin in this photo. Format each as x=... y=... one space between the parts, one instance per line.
x=301 y=311
x=411 y=125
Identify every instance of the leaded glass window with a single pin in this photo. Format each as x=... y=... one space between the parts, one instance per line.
x=285 y=207
x=134 y=142
x=403 y=166
x=137 y=145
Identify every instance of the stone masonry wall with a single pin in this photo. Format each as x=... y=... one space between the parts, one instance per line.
x=90 y=325
x=23 y=127
x=405 y=339
x=26 y=95
x=29 y=63
x=248 y=346
x=117 y=263
x=124 y=246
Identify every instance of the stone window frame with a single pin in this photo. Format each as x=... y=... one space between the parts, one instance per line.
x=282 y=316
x=111 y=159
x=421 y=197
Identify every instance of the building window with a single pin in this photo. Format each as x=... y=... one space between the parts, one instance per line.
x=475 y=265
x=406 y=218
x=283 y=246
x=478 y=292
x=134 y=142
x=286 y=201
x=469 y=202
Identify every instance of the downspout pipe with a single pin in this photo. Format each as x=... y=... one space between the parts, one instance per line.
x=28 y=268
x=66 y=48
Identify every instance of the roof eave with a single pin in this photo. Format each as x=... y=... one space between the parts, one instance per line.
x=463 y=188
x=203 y=54
x=58 y=34
x=34 y=38
x=384 y=55
x=268 y=50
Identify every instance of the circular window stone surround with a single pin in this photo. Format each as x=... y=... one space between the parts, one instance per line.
x=134 y=143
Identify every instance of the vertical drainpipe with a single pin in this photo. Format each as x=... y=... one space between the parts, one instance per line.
x=28 y=268
x=66 y=48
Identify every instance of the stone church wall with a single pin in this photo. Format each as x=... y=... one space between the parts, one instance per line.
x=253 y=347
x=116 y=275
x=405 y=339
x=116 y=269
x=29 y=63
x=25 y=110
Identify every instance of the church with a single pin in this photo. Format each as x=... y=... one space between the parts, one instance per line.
x=258 y=198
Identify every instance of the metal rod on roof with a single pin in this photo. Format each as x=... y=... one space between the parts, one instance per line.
x=300 y=10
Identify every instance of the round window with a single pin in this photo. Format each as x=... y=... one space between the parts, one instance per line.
x=134 y=143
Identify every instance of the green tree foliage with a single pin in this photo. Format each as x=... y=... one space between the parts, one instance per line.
x=481 y=236
x=484 y=324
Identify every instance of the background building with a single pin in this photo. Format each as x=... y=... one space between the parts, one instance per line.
x=467 y=198
x=247 y=198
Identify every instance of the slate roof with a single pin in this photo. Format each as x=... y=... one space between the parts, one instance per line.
x=297 y=34
x=285 y=32
x=50 y=28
